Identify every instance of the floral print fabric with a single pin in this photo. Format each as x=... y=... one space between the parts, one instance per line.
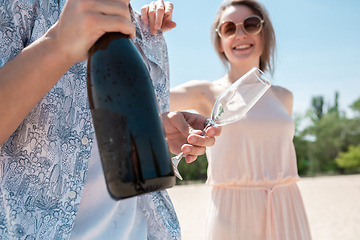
x=43 y=165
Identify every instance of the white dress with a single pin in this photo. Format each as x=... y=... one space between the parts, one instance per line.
x=253 y=171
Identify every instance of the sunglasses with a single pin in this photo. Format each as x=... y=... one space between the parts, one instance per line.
x=251 y=25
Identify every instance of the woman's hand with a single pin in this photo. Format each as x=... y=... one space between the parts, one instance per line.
x=158 y=14
x=183 y=131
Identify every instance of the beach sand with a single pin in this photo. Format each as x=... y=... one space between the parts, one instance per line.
x=332 y=204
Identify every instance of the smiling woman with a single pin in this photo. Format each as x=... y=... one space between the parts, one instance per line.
x=252 y=166
x=227 y=26
x=306 y=61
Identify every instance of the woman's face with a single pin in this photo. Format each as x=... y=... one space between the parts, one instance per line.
x=241 y=48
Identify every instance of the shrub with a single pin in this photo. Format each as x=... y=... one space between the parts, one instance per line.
x=349 y=159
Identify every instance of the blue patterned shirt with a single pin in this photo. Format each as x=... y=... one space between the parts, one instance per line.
x=43 y=165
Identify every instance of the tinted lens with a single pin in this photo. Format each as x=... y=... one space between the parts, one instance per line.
x=252 y=25
x=227 y=29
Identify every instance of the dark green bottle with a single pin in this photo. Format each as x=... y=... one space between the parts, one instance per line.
x=133 y=149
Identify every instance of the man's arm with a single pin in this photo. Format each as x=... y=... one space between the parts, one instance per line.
x=27 y=78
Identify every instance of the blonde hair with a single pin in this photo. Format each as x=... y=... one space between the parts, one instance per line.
x=269 y=43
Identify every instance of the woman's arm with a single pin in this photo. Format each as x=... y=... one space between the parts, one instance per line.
x=196 y=95
x=183 y=131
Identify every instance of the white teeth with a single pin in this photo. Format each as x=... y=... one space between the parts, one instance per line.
x=242 y=47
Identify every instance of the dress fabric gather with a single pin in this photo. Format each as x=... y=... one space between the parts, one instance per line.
x=253 y=173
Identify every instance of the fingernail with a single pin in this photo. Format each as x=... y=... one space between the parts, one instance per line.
x=157 y=26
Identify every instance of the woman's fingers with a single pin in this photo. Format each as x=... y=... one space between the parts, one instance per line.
x=191 y=152
x=198 y=140
x=168 y=24
x=145 y=14
x=160 y=11
x=152 y=16
x=158 y=15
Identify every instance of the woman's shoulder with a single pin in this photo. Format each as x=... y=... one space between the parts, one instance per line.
x=282 y=93
x=285 y=96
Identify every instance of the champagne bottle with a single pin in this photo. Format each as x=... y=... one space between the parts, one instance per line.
x=130 y=135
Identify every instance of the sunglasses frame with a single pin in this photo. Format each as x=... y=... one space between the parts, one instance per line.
x=217 y=30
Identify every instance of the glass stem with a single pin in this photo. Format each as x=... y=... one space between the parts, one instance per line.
x=209 y=123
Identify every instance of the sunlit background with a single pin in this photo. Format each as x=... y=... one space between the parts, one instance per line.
x=318 y=47
x=318 y=50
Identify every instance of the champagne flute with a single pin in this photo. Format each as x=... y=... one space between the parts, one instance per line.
x=233 y=103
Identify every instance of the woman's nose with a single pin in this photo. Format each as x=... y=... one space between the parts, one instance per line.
x=240 y=32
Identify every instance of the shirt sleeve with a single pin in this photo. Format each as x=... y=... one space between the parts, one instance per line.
x=17 y=20
x=155 y=50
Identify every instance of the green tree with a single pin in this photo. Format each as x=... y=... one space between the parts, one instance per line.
x=356 y=106
x=335 y=108
x=353 y=128
x=328 y=130
x=350 y=159
x=330 y=133
x=301 y=147
x=317 y=105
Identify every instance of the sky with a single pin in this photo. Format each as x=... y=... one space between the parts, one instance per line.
x=318 y=47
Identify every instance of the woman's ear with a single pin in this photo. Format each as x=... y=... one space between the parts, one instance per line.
x=221 y=48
